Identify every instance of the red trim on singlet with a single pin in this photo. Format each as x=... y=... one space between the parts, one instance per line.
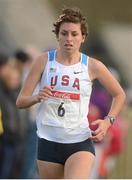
x=66 y=95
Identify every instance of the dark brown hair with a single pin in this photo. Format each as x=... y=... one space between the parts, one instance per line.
x=72 y=15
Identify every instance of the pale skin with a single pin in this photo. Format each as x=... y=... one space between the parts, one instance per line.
x=70 y=37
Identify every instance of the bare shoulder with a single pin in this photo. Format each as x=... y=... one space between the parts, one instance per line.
x=40 y=62
x=95 y=68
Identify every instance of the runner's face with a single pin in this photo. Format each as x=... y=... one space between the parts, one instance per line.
x=70 y=37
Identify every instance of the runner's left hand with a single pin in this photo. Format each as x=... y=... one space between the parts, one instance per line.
x=100 y=132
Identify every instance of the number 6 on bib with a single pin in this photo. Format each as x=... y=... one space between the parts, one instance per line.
x=61 y=110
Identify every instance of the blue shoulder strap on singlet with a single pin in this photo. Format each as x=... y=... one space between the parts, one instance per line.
x=51 y=54
x=84 y=59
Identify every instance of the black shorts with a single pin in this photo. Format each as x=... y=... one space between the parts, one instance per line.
x=59 y=152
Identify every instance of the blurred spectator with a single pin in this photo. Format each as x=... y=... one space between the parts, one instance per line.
x=15 y=122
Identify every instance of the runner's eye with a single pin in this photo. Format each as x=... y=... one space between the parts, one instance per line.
x=63 y=33
x=74 y=34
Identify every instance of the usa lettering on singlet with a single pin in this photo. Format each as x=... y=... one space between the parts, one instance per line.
x=68 y=107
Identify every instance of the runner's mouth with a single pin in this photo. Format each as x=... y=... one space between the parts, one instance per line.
x=68 y=45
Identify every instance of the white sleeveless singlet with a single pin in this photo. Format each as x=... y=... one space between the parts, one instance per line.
x=63 y=117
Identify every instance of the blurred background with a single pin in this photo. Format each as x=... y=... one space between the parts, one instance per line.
x=25 y=32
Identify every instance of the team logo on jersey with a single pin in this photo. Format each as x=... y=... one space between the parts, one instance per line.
x=52 y=69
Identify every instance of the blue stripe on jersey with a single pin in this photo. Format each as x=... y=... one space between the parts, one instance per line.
x=51 y=54
x=84 y=59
